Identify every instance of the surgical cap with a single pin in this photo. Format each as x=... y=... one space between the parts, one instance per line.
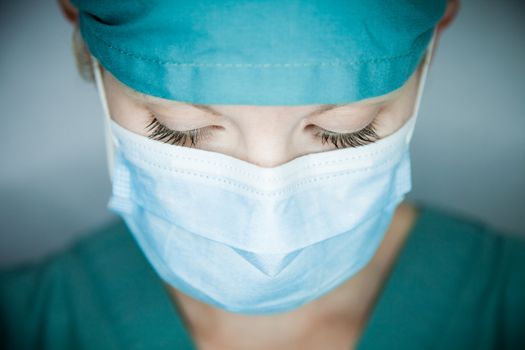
x=273 y=52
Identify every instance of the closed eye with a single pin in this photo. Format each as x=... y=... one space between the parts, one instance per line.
x=159 y=132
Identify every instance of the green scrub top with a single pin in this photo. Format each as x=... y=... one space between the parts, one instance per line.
x=456 y=284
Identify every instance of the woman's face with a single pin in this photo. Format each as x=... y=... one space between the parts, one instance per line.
x=267 y=136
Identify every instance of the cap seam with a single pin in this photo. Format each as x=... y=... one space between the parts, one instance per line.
x=248 y=65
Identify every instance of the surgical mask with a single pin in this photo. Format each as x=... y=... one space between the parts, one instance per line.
x=255 y=240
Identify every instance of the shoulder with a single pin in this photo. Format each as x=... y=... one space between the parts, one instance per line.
x=478 y=269
x=469 y=241
x=96 y=245
x=51 y=290
x=468 y=236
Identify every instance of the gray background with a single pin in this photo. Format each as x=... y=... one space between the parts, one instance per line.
x=468 y=148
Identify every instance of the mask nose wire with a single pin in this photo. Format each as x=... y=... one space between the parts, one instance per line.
x=108 y=135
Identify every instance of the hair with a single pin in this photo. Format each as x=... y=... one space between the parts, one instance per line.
x=82 y=55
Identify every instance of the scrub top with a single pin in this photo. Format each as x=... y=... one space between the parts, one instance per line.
x=456 y=284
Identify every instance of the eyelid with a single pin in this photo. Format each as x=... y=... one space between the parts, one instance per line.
x=347 y=132
x=158 y=131
x=365 y=121
x=154 y=116
x=161 y=119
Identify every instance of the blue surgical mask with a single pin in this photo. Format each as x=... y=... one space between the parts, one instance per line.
x=256 y=240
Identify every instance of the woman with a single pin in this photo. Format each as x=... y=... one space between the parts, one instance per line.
x=259 y=159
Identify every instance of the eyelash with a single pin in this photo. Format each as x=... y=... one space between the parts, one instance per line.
x=159 y=132
x=352 y=139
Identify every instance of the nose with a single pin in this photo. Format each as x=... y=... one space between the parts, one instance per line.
x=267 y=151
x=268 y=146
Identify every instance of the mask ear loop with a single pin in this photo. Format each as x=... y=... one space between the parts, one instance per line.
x=422 y=81
x=109 y=139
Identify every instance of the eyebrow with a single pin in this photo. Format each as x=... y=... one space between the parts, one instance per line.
x=318 y=111
x=156 y=100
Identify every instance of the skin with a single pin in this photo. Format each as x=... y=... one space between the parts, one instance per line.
x=269 y=136
x=263 y=135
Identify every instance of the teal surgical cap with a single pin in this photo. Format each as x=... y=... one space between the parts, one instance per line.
x=273 y=52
